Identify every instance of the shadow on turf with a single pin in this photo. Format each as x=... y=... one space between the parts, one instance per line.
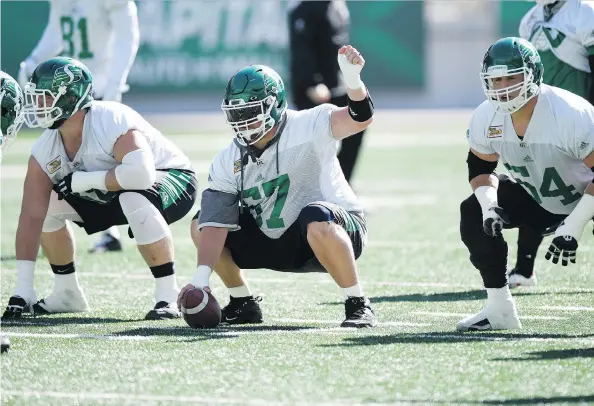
x=516 y=401
x=220 y=332
x=443 y=337
x=538 y=400
x=477 y=294
x=553 y=354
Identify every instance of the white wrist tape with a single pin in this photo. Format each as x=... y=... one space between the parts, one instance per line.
x=574 y=224
x=487 y=197
x=83 y=181
x=137 y=171
x=350 y=72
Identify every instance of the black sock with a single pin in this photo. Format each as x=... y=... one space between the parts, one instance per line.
x=63 y=269
x=160 y=271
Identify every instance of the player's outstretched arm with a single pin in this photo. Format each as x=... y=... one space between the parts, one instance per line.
x=36 y=194
x=358 y=114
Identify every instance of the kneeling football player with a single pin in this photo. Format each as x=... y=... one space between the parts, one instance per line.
x=97 y=164
x=277 y=198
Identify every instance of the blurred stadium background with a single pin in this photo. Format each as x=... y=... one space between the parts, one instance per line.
x=420 y=54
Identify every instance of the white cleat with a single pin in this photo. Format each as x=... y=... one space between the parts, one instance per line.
x=495 y=316
x=516 y=279
x=62 y=301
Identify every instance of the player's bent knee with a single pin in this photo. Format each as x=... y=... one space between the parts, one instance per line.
x=319 y=230
x=52 y=224
x=470 y=208
x=312 y=214
x=146 y=222
x=58 y=212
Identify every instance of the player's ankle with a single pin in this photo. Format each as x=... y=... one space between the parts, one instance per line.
x=242 y=291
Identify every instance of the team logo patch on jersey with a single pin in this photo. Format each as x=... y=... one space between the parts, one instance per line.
x=495 y=132
x=237 y=166
x=54 y=165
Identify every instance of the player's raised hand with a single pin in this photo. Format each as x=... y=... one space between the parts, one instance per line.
x=494 y=220
x=351 y=62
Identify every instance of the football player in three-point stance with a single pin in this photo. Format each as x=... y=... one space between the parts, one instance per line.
x=563 y=34
x=544 y=136
x=277 y=198
x=102 y=34
x=11 y=120
x=97 y=164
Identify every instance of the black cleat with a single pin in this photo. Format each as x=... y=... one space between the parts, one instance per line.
x=15 y=308
x=163 y=311
x=242 y=310
x=358 y=313
x=108 y=243
x=5 y=344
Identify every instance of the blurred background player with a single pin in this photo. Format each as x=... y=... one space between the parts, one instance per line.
x=11 y=120
x=317 y=30
x=102 y=34
x=563 y=34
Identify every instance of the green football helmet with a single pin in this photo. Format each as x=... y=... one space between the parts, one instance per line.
x=58 y=88
x=506 y=57
x=11 y=101
x=255 y=101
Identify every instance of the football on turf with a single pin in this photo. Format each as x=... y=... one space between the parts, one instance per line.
x=200 y=309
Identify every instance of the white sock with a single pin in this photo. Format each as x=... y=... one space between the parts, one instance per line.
x=499 y=294
x=240 y=291
x=25 y=275
x=68 y=281
x=202 y=276
x=166 y=289
x=353 y=291
x=114 y=231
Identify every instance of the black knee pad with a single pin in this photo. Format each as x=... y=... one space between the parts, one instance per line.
x=470 y=213
x=313 y=213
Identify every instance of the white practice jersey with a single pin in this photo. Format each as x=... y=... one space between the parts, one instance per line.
x=548 y=160
x=567 y=34
x=299 y=169
x=104 y=123
x=102 y=34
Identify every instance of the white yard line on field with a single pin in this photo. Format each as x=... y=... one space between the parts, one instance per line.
x=127 y=397
x=568 y=308
x=447 y=314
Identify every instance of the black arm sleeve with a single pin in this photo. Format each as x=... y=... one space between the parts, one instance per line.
x=478 y=166
x=591 y=95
